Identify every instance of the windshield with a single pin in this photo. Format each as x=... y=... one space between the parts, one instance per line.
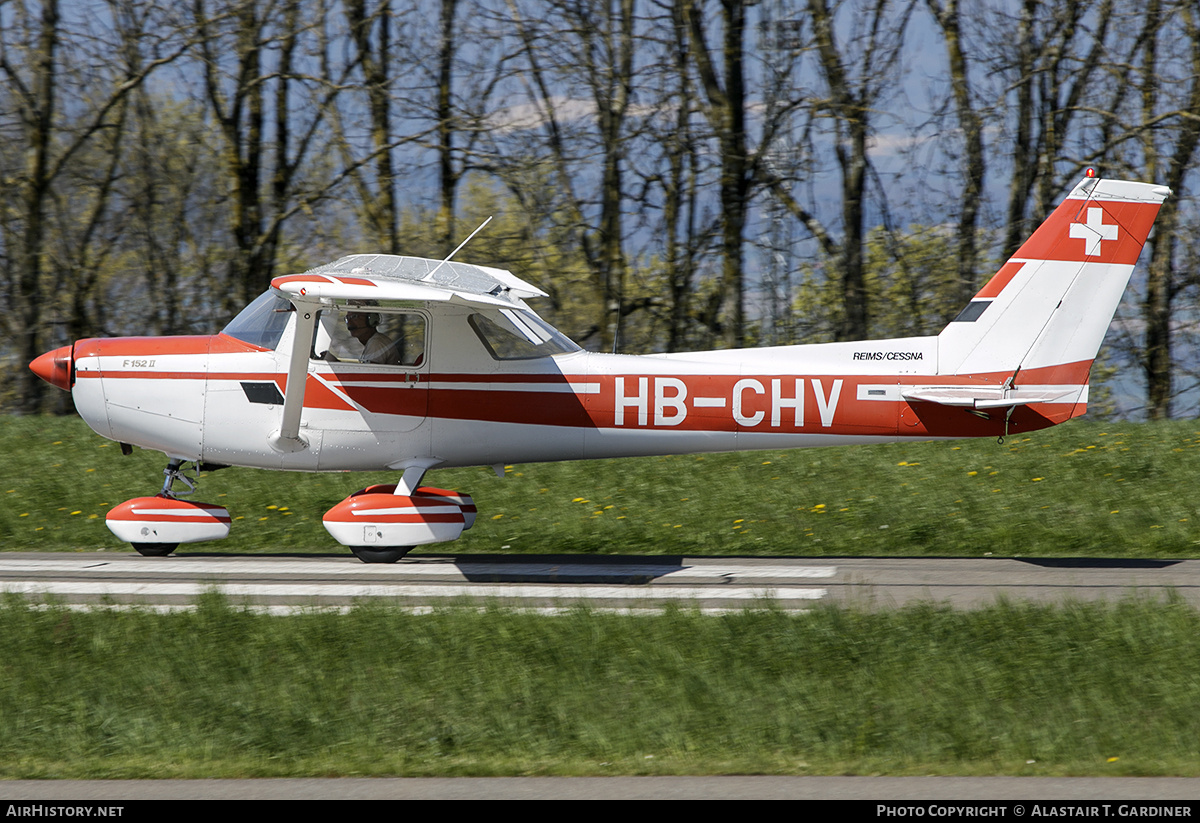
x=262 y=322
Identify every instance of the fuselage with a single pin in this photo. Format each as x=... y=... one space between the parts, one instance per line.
x=217 y=399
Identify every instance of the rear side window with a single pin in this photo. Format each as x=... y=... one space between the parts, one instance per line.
x=263 y=322
x=519 y=335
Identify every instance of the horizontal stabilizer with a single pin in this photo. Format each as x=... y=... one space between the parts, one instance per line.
x=980 y=397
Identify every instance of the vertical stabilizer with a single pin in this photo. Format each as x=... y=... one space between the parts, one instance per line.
x=1050 y=305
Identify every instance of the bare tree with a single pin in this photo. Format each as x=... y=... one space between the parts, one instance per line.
x=587 y=45
x=854 y=92
x=39 y=83
x=374 y=55
x=676 y=169
x=974 y=164
x=1169 y=154
x=171 y=194
x=255 y=55
x=725 y=108
x=1057 y=60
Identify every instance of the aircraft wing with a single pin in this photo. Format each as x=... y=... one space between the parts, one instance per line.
x=392 y=277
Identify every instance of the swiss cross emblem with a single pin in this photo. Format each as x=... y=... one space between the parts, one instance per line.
x=1094 y=231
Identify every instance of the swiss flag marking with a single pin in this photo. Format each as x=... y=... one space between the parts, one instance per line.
x=1094 y=231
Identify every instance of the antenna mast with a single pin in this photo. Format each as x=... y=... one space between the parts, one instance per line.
x=457 y=250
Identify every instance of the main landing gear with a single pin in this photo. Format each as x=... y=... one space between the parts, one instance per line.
x=387 y=555
x=155 y=526
x=379 y=524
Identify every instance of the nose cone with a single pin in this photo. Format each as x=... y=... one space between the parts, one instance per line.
x=56 y=368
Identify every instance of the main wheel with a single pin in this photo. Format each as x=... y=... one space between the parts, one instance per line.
x=388 y=554
x=154 y=549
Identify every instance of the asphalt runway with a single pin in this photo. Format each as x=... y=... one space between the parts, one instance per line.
x=283 y=583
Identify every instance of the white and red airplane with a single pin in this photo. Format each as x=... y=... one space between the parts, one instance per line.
x=380 y=362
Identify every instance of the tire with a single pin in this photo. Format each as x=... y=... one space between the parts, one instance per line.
x=385 y=554
x=154 y=549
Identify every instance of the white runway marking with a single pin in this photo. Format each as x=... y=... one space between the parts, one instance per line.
x=285 y=585
x=520 y=592
x=462 y=570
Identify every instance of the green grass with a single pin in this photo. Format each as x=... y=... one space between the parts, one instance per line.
x=1013 y=689
x=1083 y=489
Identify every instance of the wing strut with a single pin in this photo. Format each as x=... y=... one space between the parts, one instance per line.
x=288 y=438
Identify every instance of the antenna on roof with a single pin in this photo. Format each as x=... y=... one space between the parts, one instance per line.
x=457 y=250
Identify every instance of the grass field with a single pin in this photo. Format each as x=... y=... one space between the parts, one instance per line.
x=1086 y=489
x=1010 y=690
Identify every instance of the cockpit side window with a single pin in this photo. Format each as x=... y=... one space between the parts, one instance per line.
x=263 y=322
x=369 y=334
x=519 y=335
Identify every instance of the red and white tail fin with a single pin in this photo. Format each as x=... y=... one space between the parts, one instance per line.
x=1048 y=307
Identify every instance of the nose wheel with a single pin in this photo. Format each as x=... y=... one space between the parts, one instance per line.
x=154 y=549
x=155 y=526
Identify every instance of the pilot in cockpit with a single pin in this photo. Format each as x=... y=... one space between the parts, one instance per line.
x=377 y=346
